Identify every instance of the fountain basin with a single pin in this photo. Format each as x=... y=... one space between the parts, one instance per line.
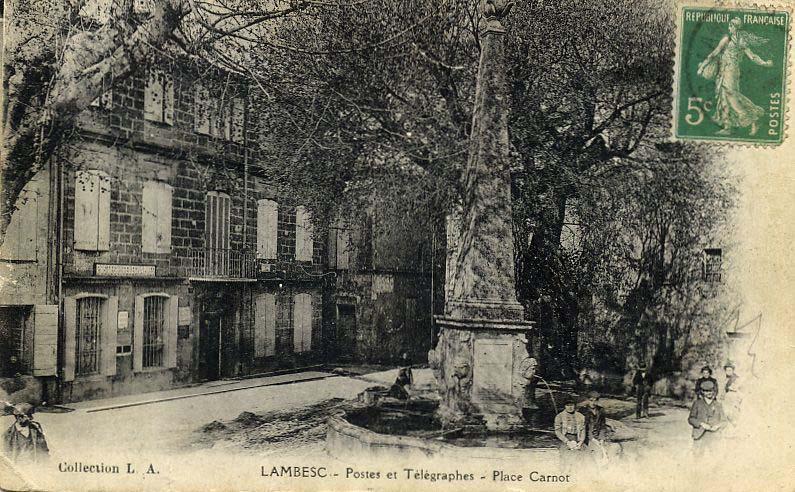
x=410 y=432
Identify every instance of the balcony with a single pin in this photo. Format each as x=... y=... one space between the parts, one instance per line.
x=220 y=264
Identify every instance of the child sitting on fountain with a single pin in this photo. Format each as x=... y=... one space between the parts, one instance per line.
x=404 y=378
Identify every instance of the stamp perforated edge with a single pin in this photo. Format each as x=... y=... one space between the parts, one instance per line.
x=730 y=142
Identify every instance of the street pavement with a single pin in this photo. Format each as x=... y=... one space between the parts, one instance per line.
x=163 y=421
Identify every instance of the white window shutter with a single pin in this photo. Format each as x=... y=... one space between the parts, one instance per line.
x=45 y=340
x=265 y=326
x=201 y=110
x=70 y=337
x=303 y=234
x=20 y=240
x=343 y=248
x=172 y=319
x=153 y=95
x=108 y=335
x=138 y=335
x=308 y=322
x=298 y=324
x=103 y=212
x=302 y=323
x=156 y=217
x=164 y=218
x=86 y=210
x=267 y=229
x=238 y=119
x=226 y=119
x=168 y=100
x=149 y=217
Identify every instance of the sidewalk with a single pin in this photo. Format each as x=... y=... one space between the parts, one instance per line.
x=209 y=388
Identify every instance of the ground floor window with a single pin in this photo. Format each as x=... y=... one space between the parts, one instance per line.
x=154 y=331
x=88 y=329
x=13 y=353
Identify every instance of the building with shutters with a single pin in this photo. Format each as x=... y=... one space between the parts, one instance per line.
x=150 y=254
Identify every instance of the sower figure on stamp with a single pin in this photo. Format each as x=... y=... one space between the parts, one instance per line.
x=570 y=429
x=732 y=108
x=641 y=387
x=706 y=418
x=24 y=440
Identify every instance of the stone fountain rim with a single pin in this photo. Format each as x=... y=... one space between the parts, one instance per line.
x=357 y=436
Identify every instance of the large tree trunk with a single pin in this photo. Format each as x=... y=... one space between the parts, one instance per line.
x=46 y=89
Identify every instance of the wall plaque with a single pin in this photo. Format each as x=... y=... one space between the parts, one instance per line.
x=121 y=270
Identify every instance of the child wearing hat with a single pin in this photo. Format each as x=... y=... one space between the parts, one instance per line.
x=706 y=417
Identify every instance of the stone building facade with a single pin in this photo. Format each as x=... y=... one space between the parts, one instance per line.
x=153 y=253
x=159 y=257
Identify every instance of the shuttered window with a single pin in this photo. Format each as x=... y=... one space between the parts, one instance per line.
x=159 y=97
x=267 y=229
x=92 y=210
x=303 y=234
x=265 y=326
x=156 y=219
x=20 y=242
x=204 y=114
x=302 y=323
x=238 y=120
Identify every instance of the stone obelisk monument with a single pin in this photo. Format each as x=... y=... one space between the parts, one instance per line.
x=481 y=352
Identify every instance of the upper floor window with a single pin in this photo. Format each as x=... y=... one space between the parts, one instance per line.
x=217 y=215
x=156 y=220
x=20 y=242
x=159 y=97
x=222 y=117
x=713 y=264
x=92 y=210
x=303 y=234
x=267 y=229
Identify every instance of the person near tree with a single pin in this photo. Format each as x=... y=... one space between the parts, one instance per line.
x=641 y=387
x=706 y=375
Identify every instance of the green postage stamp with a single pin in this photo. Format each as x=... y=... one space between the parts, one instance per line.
x=731 y=75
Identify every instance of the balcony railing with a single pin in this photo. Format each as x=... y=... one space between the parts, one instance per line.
x=221 y=263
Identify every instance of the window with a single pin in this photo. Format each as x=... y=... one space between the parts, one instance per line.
x=156 y=220
x=20 y=242
x=267 y=229
x=340 y=248
x=303 y=234
x=89 y=335
x=238 y=120
x=217 y=214
x=713 y=264
x=203 y=111
x=92 y=211
x=217 y=116
x=89 y=326
x=154 y=331
x=159 y=97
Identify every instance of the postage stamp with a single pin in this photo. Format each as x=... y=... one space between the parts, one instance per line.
x=731 y=75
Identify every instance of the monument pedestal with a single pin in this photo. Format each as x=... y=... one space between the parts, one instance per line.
x=479 y=370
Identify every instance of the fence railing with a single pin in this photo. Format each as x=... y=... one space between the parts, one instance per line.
x=221 y=263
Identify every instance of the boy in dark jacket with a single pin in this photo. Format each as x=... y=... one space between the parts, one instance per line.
x=24 y=440
x=641 y=386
